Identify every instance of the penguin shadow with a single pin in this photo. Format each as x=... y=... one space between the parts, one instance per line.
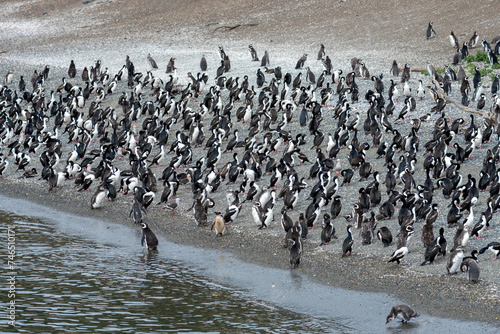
x=296 y=278
x=400 y=327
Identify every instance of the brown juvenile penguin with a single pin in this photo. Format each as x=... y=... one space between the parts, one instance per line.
x=218 y=224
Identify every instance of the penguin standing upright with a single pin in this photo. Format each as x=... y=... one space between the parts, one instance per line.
x=430 y=31
x=253 y=53
x=328 y=230
x=218 y=225
x=148 y=237
x=72 y=69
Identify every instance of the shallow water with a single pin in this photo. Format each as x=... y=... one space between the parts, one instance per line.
x=86 y=275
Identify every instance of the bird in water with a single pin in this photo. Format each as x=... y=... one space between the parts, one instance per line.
x=148 y=237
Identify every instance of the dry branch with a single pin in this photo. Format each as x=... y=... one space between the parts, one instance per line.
x=459 y=105
x=234 y=27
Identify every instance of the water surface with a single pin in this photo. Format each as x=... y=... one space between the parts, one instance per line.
x=86 y=275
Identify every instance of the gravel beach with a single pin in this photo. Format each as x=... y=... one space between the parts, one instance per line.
x=39 y=33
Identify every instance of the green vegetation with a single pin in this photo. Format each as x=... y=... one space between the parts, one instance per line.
x=480 y=56
x=440 y=70
x=425 y=72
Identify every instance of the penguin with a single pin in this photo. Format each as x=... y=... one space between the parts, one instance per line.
x=454 y=40
x=455 y=260
x=348 y=242
x=403 y=312
x=98 y=197
x=430 y=31
x=295 y=252
x=321 y=52
x=265 y=59
x=203 y=64
x=301 y=62
x=328 y=231
x=367 y=228
x=384 y=235
x=218 y=225
x=473 y=40
x=395 y=69
x=148 y=237
x=152 y=62
x=427 y=233
x=72 y=69
x=493 y=247
x=253 y=53
x=470 y=266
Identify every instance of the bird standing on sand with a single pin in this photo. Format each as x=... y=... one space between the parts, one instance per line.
x=218 y=225
x=403 y=312
x=72 y=69
x=152 y=62
x=348 y=242
x=174 y=205
x=430 y=31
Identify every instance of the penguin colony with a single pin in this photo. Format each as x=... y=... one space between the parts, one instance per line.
x=282 y=141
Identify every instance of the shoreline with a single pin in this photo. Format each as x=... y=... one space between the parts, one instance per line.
x=432 y=294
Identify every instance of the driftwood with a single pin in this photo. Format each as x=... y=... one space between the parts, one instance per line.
x=460 y=106
x=234 y=27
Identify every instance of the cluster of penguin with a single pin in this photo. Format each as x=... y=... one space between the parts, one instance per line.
x=312 y=121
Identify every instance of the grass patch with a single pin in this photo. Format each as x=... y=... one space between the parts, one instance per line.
x=482 y=56
x=425 y=72
x=440 y=71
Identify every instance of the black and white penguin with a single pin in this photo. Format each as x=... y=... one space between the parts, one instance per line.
x=384 y=235
x=403 y=312
x=321 y=52
x=348 y=242
x=430 y=31
x=493 y=247
x=295 y=252
x=455 y=260
x=148 y=237
x=301 y=62
x=328 y=230
x=98 y=197
x=454 y=40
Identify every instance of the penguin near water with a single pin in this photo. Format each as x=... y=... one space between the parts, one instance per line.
x=218 y=225
x=98 y=197
x=148 y=237
x=403 y=312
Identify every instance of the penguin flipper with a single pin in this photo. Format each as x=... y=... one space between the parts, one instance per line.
x=143 y=238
